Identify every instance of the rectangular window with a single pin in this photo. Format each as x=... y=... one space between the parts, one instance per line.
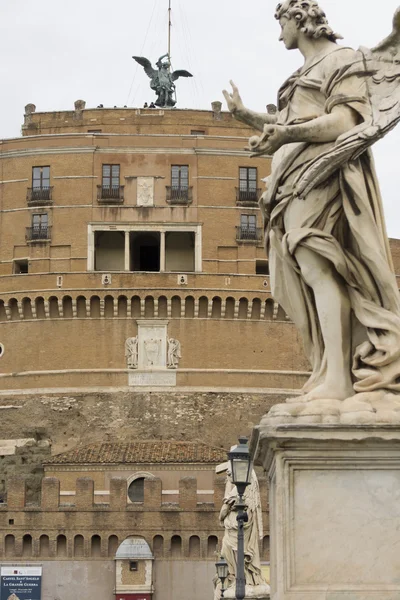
x=248 y=179
x=40 y=178
x=180 y=177
x=110 y=178
x=40 y=226
x=248 y=222
x=197 y=132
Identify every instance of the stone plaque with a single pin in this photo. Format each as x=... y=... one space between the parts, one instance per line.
x=152 y=378
x=145 y=191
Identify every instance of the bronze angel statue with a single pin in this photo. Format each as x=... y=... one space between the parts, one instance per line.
x=162 y=80
x=325 y=234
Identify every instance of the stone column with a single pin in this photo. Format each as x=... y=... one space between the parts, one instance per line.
x=127 y=251
x=334 y=509
x=162 y=251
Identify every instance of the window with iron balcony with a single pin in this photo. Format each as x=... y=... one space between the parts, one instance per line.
x=40 y=230
x=179 y=192
x=248 y=231
x=247 y=192
x=41 y=192
x=110 y=190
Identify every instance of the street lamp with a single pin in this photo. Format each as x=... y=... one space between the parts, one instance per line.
x=241 y=469
x=222 y=571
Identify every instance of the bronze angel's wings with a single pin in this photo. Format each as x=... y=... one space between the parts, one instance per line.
x=380 y=68
x=180 y=73
x=146 y=64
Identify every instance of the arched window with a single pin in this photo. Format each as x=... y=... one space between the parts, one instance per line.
x=27 y=545
x=95 y=550
x=9 y=545
x=194 y=546
x=265 y=548
x=136 y=490
x=44 y=546
x=112 y=545
x=176 y=546
x=61 y=546
x=79 y=546
x=158 y=546
x=212 y=544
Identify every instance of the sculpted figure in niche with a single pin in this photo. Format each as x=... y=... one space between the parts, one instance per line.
x=256 y=586
x=325 y=234
x=131 y=352
x=173 y=353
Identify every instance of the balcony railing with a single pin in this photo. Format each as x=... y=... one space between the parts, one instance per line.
x=248 y=234
x=39 y=233
x=39 y=195
x=179 y=194
x=114 y=193
x=247 y=196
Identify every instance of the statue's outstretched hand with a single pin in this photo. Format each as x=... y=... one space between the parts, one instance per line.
x=233 y=100
x=272 y=138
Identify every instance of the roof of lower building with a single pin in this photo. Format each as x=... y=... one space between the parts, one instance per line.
x=145 y=452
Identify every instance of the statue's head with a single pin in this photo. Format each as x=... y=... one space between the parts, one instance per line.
x=308 y=18
x=165 y=65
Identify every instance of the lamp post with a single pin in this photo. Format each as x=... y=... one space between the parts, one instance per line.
x=241 y=469
x=222 y=571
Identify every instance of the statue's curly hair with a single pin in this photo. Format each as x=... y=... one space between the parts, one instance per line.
x=309 y=17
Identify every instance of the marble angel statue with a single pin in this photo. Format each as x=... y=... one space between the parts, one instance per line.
x=162 y=80
x=325 y=234
x=253 y=533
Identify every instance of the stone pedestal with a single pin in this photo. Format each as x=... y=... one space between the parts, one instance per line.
x=334 y=510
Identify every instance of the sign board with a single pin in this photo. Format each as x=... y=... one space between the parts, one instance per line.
x=20 y=583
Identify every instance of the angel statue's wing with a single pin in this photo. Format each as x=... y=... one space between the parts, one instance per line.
x=146 y=64
x=180 y=73
x=380 y=67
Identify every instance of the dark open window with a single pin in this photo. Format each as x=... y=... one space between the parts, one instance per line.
x=21 y=266
x=136 y=490
x=262 y=267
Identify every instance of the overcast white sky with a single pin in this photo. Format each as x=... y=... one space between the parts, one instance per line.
x=55 y=52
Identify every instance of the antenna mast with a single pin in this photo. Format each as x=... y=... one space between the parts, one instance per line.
x=169 y=34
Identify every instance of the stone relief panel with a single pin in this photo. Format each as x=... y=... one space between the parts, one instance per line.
x=152 y=355
x=131 y=352
x=145 y=191
x=173 y=353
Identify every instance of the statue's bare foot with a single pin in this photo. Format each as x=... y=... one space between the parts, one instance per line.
x=325 y=391
x=329 y=391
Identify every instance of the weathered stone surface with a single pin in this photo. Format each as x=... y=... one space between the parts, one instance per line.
x=335 y=510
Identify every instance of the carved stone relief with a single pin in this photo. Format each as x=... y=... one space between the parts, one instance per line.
x=145 y=191
x=173 y=353
x=131 y=352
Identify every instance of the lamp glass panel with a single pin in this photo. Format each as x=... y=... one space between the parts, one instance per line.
x=222 y=569
x=240 y=469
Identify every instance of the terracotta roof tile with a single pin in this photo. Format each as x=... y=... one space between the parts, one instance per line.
x=153 y=452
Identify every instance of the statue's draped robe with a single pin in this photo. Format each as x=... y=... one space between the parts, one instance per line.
x=341 y=220
x=252 y=530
